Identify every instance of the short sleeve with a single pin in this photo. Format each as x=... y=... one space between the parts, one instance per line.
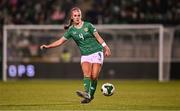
x=67 y=34
x=92 y=28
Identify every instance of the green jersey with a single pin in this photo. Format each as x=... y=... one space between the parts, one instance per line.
x=84 y=38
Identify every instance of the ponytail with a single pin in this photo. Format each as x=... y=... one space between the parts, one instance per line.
x=68 y=25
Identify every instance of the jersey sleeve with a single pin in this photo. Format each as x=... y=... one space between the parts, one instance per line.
x=92 y=29
x=67 y=35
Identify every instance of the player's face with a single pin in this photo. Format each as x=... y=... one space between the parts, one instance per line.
x=76 y=16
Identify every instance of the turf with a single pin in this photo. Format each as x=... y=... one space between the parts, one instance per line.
x=60 y=95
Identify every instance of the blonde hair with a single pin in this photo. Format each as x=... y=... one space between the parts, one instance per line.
x=70 y=20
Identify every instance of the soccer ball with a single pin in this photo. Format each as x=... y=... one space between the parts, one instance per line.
x=107 y=89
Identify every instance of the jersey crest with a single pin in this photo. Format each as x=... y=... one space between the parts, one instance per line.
x=74 y=33
x=86 y=29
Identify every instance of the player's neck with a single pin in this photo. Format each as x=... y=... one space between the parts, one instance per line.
x=79 y=25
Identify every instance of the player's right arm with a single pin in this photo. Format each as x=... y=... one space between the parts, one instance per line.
x=54 y=44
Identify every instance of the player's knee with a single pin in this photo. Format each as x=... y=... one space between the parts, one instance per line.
x=94 y=77
x=87 y=75
x=87 y=72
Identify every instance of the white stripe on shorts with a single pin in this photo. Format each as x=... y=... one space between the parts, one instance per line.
x=97 y=57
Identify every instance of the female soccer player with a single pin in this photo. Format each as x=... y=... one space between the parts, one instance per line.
x=91 y=46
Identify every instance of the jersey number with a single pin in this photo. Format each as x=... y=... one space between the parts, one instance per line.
x=81 y=36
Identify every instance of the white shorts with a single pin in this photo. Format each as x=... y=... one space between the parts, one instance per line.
x=97 y=57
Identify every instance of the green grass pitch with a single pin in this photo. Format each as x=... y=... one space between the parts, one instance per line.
x=60 y=95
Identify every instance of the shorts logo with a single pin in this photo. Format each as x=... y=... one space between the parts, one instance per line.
x=99 y=56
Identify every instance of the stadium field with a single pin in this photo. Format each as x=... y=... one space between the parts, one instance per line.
x=60 y=95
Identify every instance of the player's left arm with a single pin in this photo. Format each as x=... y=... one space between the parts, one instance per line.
x=107 y=51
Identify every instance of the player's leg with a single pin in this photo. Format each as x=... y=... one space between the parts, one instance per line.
x=96 y=68
x=86 y=68
x=95 y=60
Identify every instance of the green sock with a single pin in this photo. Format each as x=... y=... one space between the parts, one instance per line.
x=87 y=83
x=93 y=87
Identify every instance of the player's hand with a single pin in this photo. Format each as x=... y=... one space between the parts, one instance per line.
x=43 y=47
x=107 y=51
